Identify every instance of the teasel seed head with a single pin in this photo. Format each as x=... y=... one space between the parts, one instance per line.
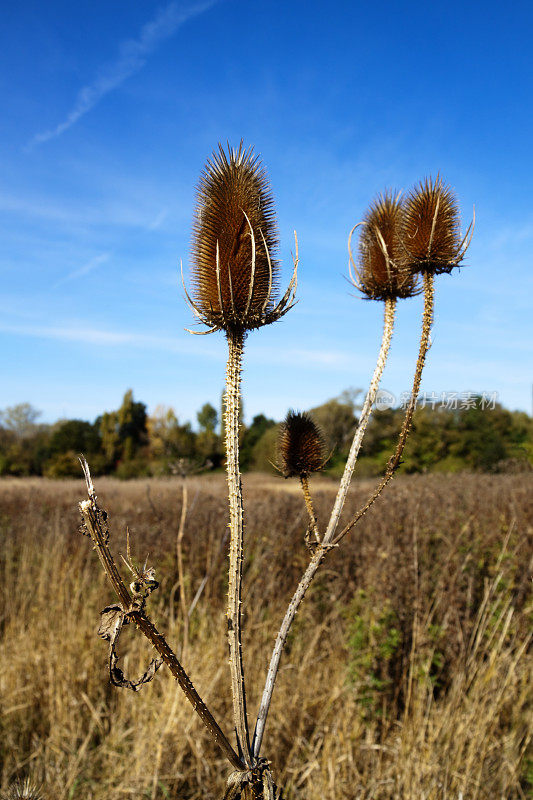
x=235 y=273
x=22 y=790
x=431 y=229
x=301 y=446
x=379 y=275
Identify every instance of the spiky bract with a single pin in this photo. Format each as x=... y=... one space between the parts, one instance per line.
x=431 y=229
x=379 y=274
x=22 y=790
x=300 y=446
x=234 y=273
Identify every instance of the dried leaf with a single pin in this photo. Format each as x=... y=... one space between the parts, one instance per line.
x=117 y=676
x=112 y=620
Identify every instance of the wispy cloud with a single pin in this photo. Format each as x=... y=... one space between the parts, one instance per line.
x=132 y=56
x=92 y=264
x=328 y=359
x=514 y=235
x=158 y=221
x=127 y=205
x=106 y=338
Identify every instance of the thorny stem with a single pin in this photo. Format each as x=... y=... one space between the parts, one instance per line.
x=92 y=518
x=231 y=408
x=325 y=545
x=309 y=505
x=395 y=461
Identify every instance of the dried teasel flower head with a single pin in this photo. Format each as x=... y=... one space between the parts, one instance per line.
x=300 y=446
x=378 y=274
x=235 y=274
x=431 y=229
x=22 y=790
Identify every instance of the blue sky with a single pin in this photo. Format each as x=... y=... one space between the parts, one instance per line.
x=109 y=113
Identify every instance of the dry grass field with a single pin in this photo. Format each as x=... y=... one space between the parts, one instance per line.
x=407 y=674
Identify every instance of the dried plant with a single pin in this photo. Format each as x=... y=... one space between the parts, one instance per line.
x=235 y=276
x=22 y=790
x=301 y=451
x=431 y=238
x=380 y=274
x=301 y=448
x=235 y=272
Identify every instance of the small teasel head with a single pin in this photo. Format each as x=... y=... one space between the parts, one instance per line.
x=22 y=790
x=431 y=229
x=378 y=274
x=235 y=273
x=301 y=446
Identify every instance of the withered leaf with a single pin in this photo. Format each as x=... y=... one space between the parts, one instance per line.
x=117 y=676
x=111 y=621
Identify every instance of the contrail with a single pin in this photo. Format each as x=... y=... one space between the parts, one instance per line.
x=133 y=54
x=84 y=270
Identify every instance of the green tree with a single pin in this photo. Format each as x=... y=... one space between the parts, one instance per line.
x=208 y=443
x=207 y=418
x=337 y=420
x=67 y=440
x=124 y=433
x=110 y=438
x=20 y=419
x=23 y=443
x=485 y=435
x=429 y=440
x=170 y=442
x=264 y=451
x=252 y=435
x=75 y=435
x=131 y=419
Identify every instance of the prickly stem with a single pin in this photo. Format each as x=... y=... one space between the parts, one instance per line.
x=231 y=407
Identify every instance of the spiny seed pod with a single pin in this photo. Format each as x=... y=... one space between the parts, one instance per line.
x=234 y=275
x=379 y=275
x=300 y=446
x=431 y=229
x=22 y=790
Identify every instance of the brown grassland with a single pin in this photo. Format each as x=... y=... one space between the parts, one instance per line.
x=407 y=673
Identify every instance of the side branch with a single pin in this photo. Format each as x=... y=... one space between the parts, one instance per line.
x=280 y=643
x=323 y=548
x=94 y=522
x=395 y=461
x=388 y=326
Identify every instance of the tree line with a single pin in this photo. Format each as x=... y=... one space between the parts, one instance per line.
x=129 y=442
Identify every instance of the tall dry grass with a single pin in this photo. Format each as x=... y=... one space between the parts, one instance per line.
x=407 y=673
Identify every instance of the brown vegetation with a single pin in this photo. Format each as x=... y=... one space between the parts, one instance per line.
x=406 y=674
